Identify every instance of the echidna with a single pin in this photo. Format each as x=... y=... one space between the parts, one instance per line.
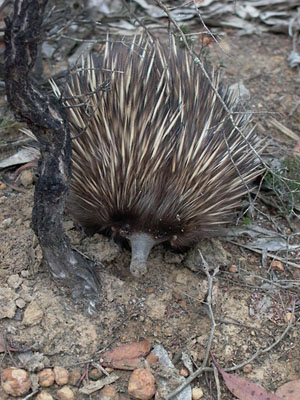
x=156 y=156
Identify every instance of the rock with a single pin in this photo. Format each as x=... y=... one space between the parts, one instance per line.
x=20 y=303
x=233 y=269
x=197 y=393
x=33 y=314
x=61 y=375
x=34 y=361
x=95 y=374
x=108 y=393
x=14 y=281
x=7 y=302
x=184 y=372
x=243 y=94
x=212 y=251
x=6 y=223
x=181 y=278
x=65 y=393
x=43 y=395
x=277 y=266
x=157 y=306
x=288 y=317
x=141 y=384
x=74 y=377
x=26 y=178
x=247 y=368
x=46 y=377
x=168 y=373
x=15 y=381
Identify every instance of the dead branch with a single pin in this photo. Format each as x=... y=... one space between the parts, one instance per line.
x=46 y=118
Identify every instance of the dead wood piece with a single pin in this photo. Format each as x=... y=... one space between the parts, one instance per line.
x=47 y=120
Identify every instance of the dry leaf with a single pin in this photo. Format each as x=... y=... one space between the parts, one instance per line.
x=290 y=390
x=126 y=356
x=244 y=389
x=92 y=387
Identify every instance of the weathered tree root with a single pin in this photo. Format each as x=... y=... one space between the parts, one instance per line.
x=46 y=118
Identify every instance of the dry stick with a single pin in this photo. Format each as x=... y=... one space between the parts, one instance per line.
x=203 y=367
x=200 y=63
x=205 y=26
x=216 y=375
x=138 y=20
x=238 y=366
x=230 y=113
x=267 y=254
x=30 y=395
x=99 y=366
x=209 y=302
x=267 y=349
x=6 y=347
x=47 y=119
x=13 y=145
x=288 y=132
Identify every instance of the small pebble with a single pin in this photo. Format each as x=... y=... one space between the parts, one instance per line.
x=74 y=377
x=233 y=269
x=6 y=223
x=46 y=377
x=15 y=381
x=288 y=317
x=108 y=393
x=26 y=178
x=61 y=375
x=277 y=266
x=33 y=314
x=25 y=273
x=65 y=393
x=252 y=260
x=141 y=384
x=20 y=303
x=14 y=281
x=95 y=374
x=150 y=290
x=43 y=395
x=181 y=278
x=194 y=355
x=2 y=186
x=245 y=347
x=247 y=368
x=184 y=372
x=197 y=393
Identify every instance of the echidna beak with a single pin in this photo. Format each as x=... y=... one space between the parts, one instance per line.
x=141 y=244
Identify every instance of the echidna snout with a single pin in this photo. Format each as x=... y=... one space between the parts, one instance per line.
x=141 y=245
x=153 y=145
